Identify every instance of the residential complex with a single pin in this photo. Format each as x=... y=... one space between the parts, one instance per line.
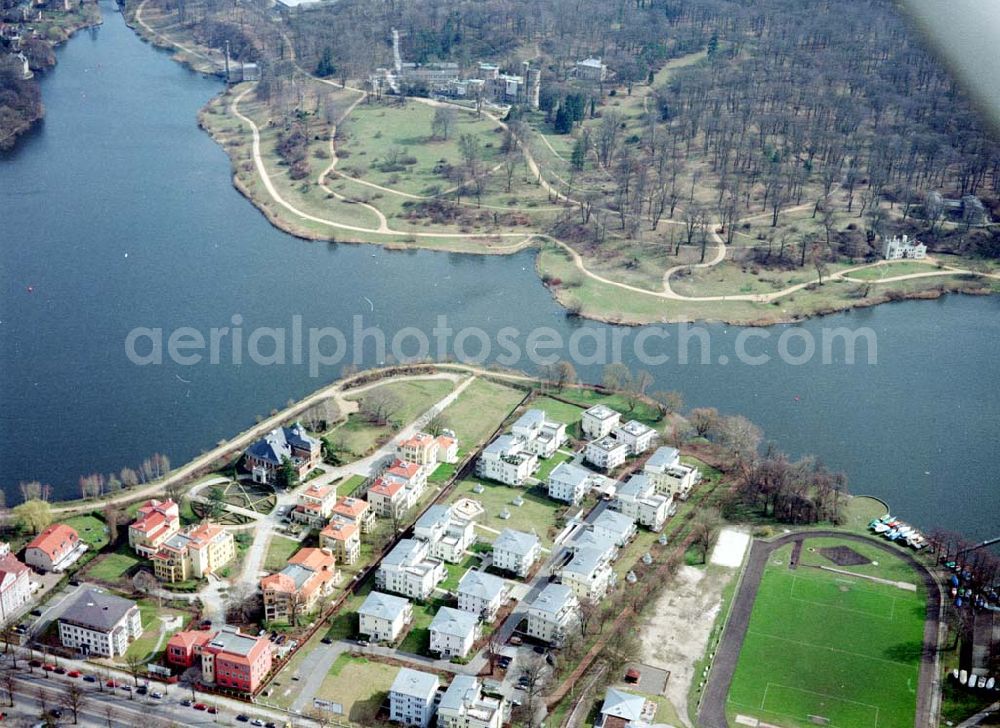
x=228 y=658
x=553 y=613
x=569 y=483
x=343 y=539
x=397 y=489
x=194 y=553
x=155 y=522
x=54 y=549
x=638 y=499
x=636 y=436
x=409 y=570
x=266 y=457
x=315 y=504
x=668 y=475
x=588 y=572
x=481 y=594
x=599 y=421
x=98 y=623
x=463 y=705
x=448 y=535
x=453 y=632
x=15 y=584
x=516 y=551
x=411 y=697
x=382 y=617
x=297 y=589
x=606 y=453
x=897 y=248
x=507 y=461
x=356 y=511
x=541 y=436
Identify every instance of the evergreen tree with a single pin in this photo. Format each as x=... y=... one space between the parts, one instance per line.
x=564 y=122
x=579 y=157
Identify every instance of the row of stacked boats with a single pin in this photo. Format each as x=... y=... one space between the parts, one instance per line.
x=895 y=530
x=976 y=682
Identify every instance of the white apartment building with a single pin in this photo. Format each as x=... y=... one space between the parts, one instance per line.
x=553 y=613
x=569 y=483
x=606 y=453
x=516 y=551
x=453 y=632
x=612 y=526
x=671 y=477
x=481 y=594
x=409 y=570
x=639 y=500
x=449 y=536
x=411 y=697
x=463 y=705
x=599 y=421
x=506 y=461
x=589 y=573
x=899 y=248
x=637 y=437
x=541 y=436
x=383 y=617
x=100 y=624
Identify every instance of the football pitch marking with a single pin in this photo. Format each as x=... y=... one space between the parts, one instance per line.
x=825 y=696
x=813 y=646
x=827 y=605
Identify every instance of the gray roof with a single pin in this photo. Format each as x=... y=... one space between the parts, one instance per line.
x=278 y=443
x=569 y=473
x=531 y=419
x=602 y=412
x=552 y=598
x=517 y=542
x=406 y=552
x=414 y=682
x=620 y=704
x=482 y=585
x=585 y=560
x=613 y=521
x=383 y=606
x=435 y=516
x=454 y=622
x=502 y=444
x=298 y=574
x=607 y=443
x=97 y=610
x=233 y=642
x=464 y=688
x=636 y=487
x=663 y=457
x=636 y=428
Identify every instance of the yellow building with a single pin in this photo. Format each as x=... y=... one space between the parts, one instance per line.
x=194 y=553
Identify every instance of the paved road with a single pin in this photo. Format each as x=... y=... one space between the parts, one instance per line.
x=713 y=705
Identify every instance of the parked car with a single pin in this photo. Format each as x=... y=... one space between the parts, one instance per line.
x=186 y=703
x=156 y=695
x=48 y=667
x=73 y=673
x=326 y=641
x=516 y=641
x=363 y=643
x=126 y=687
x=36 y=612
x=200 y=706
x=89 y=678
x=55 y=713
x=539 y=649
x=60 y=670
x=141 y=689
x=212 y=709
x=242 y=718
x=257 y=722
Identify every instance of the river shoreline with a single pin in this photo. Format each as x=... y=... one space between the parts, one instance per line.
x=667 y=311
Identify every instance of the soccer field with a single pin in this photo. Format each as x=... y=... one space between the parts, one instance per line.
x=831 y=649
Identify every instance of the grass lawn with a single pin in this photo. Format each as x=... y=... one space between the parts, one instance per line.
x=545 y=467
x=890 y=270
x=112 y=567
x=417 y=640
x=824 y=646
x=442 y=473
x=279 y=551
x=562 y=412
x=456 y=572
x=359 y=436
x=643 y=412
x=350 y=485
x=538 y=513
x=149 y=643
x=359 y=686
x=479 y=410
x=91 y=529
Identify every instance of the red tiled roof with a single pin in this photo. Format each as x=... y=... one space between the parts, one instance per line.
x=53 y=539
x=339 y=530
x=350 y=507
x=386 y=487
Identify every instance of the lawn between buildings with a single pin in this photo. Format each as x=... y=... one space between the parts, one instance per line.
x=826 y=648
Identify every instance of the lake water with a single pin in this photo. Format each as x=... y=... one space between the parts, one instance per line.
x=118 y=213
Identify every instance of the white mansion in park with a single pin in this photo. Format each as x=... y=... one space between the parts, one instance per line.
x=897 y=248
